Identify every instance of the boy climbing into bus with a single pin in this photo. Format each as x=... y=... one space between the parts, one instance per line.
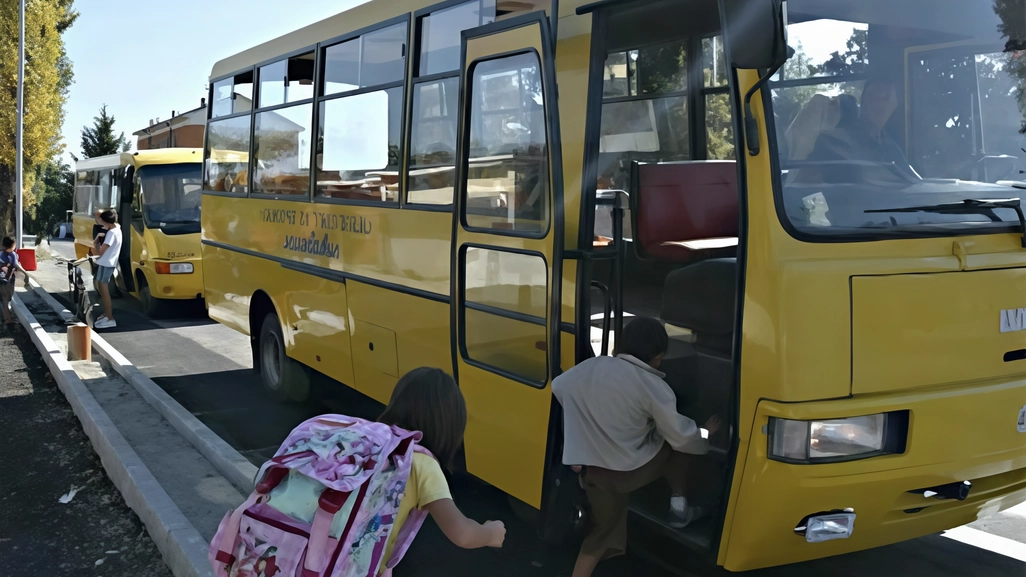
x=622 y=432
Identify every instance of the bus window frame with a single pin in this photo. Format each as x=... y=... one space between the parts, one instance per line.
x=206 y=134
x=315 y=48
x=506 y=314
x=415 y=80
x=320 y=98
x=463 y=143
x=695 y=94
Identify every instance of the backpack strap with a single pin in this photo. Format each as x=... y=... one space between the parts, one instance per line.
x=330 y=502
x=409 y=529
x=231 y=532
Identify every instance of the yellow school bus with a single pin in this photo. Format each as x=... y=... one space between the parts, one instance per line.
x=157 y=194
x=161 y=257
x=496 y=187
x=97 y=188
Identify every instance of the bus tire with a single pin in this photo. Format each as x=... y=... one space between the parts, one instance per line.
x=153 y=307
x=283 y=378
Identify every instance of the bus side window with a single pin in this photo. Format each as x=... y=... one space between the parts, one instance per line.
x=83 y=192
x=359 y=144
x=719 y=123
x=432 y=177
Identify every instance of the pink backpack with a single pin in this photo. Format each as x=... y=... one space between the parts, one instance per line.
x=324 y=505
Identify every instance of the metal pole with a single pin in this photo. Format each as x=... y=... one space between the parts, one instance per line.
x=20 y=178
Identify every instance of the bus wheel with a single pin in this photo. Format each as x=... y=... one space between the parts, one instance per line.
x=283 y=378
x=153 y=307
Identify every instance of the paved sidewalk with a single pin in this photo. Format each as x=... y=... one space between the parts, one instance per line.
x=44 y=455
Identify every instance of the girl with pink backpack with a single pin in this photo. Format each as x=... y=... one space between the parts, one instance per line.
x=344 y=497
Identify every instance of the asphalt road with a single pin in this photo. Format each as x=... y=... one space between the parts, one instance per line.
x=207 y=368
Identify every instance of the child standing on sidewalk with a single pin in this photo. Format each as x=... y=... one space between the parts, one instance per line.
x=109 y=252
x=9 y=266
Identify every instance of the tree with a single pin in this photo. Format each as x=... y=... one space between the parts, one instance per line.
x=48 y=76
x=99 y=139
x=1013 y=28
x=55 y=190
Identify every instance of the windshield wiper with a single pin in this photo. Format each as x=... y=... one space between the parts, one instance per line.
x=982 y=206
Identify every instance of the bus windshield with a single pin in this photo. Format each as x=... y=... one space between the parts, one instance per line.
x=890 y=109
x=170 y=195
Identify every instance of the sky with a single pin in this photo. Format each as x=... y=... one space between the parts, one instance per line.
x=145 y=58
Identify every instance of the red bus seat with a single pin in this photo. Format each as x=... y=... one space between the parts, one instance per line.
x=684 y=211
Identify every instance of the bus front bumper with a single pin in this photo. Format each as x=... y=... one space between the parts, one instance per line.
x=955 y=434
x=177 y=286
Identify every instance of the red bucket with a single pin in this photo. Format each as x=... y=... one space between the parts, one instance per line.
x=27 y=258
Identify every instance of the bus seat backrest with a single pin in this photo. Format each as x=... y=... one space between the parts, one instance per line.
x=680 y=202
x=702 y=297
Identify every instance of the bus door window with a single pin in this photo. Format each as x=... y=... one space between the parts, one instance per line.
x=508 y=179
x=137 y=204
x=506 y=301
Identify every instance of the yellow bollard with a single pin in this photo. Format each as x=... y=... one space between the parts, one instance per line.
x=80 y=347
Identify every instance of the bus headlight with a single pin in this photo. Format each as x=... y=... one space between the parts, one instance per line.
x=835 y=440
x=174 y=267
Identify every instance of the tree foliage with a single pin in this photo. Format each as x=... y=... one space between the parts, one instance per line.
x=48 y=76
x=99 y=139
x=55 y=189
x=1013 y=27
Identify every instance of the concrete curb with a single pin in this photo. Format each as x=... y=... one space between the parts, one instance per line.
x=181 y=546
x=229 y=462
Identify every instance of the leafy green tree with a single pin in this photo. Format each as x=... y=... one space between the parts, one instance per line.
x=55 y=190
x=1013 y=28
x=48 y=76
x=99 y=139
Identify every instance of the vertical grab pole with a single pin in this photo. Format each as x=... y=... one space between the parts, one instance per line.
x=618 y=265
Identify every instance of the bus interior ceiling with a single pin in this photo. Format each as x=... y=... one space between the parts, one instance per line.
x=680 y=229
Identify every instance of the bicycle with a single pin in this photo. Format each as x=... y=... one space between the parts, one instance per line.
x=77 y=289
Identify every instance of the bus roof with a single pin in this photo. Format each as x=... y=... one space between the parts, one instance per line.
x=351 y=20
x=163 y=156
x=99 y=162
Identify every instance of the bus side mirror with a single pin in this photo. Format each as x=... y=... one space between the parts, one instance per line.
x=757 y=32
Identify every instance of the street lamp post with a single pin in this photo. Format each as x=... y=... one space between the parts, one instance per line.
x=19 y=177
